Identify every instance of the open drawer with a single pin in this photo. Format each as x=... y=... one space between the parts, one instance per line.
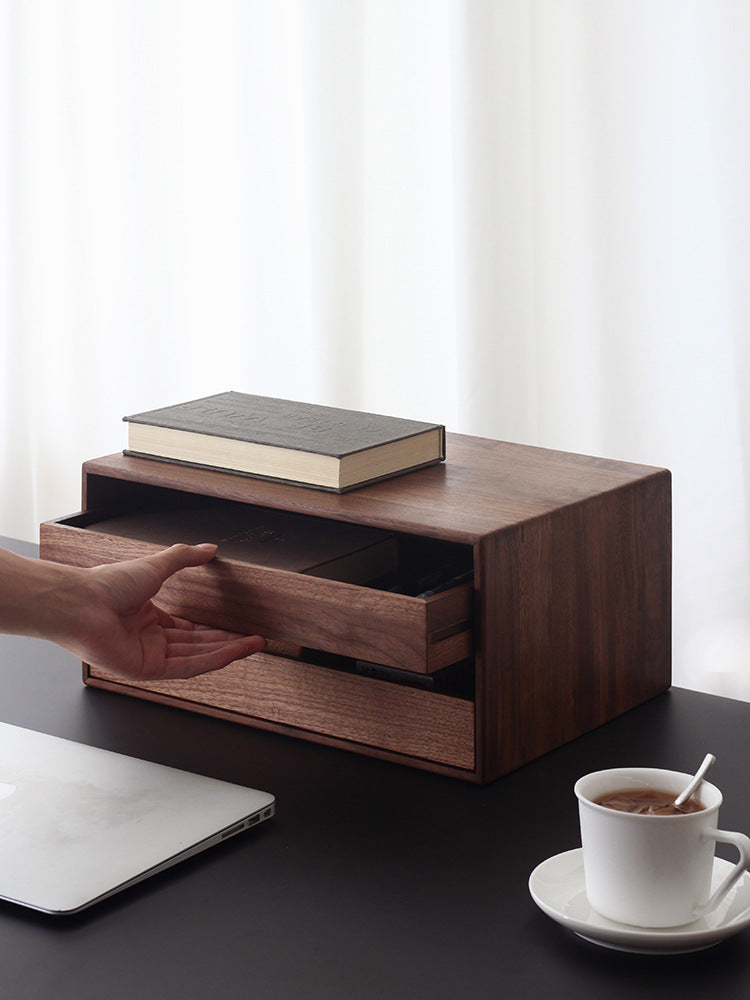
x=421 y=634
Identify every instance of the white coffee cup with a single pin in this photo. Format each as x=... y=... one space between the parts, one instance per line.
x=652 y=871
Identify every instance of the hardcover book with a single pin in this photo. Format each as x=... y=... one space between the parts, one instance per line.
x=334 y=550
x=321 y=446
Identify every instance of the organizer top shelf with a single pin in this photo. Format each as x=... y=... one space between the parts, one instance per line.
x=483 y=487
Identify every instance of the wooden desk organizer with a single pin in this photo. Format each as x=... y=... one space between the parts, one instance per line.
x=566 y=624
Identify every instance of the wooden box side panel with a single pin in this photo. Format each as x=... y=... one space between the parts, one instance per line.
x=575 y=622
x=359 y=710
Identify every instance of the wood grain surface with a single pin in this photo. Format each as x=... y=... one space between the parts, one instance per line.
x=568 y=616
x=361 y=710
x=408 y=633
x=483 y=486
x=576 y=621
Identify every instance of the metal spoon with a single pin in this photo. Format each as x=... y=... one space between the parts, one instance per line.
x=685 y=794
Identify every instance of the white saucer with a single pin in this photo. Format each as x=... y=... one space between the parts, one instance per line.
x=557 y=888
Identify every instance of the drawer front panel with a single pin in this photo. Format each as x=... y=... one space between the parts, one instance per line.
x=363 y=711
x=399 y=631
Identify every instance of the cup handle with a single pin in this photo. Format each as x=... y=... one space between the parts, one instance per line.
x=742 y=843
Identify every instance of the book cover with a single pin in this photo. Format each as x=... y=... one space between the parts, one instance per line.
x=306 y=443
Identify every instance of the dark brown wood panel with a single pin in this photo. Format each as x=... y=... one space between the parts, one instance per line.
x=576 y=613
x=482 y=487
x=357 y=709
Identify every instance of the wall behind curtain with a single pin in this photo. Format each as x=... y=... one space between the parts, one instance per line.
x=527 y=220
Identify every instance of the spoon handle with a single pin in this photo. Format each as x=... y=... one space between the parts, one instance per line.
x=685 y=794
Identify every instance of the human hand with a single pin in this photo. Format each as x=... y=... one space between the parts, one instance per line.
x=121 y=630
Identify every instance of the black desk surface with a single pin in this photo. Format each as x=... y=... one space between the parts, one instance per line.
x=372 y=881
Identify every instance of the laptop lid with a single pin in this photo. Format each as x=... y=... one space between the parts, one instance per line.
x=78 y=824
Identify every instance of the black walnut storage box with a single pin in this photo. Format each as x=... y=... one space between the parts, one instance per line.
x=565 y=623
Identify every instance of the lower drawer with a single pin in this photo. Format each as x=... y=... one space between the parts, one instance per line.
x=276 y=692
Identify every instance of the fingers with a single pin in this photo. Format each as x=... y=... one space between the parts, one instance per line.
x=194 y=649
x=190 y=635
x=183 y=625
x=179 y=641
x=190 y=659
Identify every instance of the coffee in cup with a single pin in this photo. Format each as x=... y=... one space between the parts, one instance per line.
x=647 y=802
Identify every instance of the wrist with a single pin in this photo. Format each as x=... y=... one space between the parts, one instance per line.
x=40 y=599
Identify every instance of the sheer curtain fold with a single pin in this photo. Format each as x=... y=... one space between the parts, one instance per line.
x=528 y=220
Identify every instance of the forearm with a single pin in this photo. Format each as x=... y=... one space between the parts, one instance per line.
x=39 y=598
x=106 y=616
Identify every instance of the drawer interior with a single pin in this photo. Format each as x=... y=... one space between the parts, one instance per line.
x=158 y=514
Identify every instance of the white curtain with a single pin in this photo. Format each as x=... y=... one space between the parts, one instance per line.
x=527 y=219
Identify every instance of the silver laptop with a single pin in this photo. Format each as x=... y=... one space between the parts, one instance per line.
x=78 y=824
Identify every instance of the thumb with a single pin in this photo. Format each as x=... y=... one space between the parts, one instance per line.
x=180 y=556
